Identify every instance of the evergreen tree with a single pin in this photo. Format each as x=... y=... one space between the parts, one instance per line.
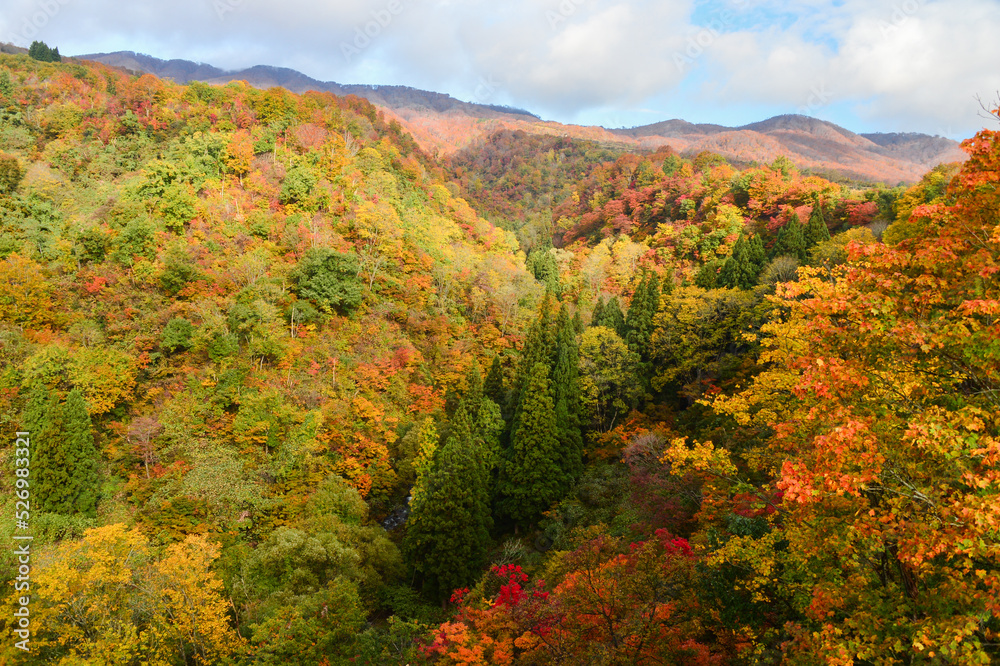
x=566 y=398
x=757 y=254
x=448 y=531
x=740 y=271
x=595 y=316
x=493 y=386
x=531 y=474
x=64 y=459
x=473 y=394
x=6 y=85
x=539 y=347
x=38 y=413
x=543 y=266
x=40 y=51
x=816 y=231
x=612 y=317
x=708 y=275
x=639 y=322
x=791 y=240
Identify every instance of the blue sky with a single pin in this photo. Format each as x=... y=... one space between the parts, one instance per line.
x=869 y=65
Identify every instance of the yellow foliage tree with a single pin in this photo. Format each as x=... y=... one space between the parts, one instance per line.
x=24 y=294
x=109 y=599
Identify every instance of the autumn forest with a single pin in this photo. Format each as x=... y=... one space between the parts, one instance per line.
x=300 y=391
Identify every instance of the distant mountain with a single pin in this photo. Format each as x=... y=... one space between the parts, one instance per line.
x=810 y=143
x=440 y=123
x=264 y=76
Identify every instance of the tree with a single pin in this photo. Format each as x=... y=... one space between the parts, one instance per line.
x=493 y=386
x=24 y=293
x=643 y=308
x=876 y=412
x=41 y=51
x=448 y=531
x=238 y=154
x=329 y=279
x=611 y=317
x=177 y=335
x=607 y=377
x=109 y=598
x=566 y=398
x=791 y=240
x=141 y=434
x=64 y=464
x=740 y=270
x=11 y=173
x=816 y=231
x=531 y=475
x=542 y=264
x=598 y=312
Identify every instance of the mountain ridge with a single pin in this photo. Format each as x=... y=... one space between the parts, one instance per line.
x=443 y=124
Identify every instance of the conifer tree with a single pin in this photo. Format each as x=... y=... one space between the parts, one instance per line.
x=757 y=254
x=64 y=460
x=791 y=240
x=531 y=474
x=38 y=413
x=539 y=347
x=816 y=231
x=740 y=271
x=595 y=316
x=612 y=317
x=639 y=322
x=566 y=398
x=41 y=51
x=448 y=531
x=493 y=386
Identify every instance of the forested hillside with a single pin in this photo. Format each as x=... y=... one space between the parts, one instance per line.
x=297 y=392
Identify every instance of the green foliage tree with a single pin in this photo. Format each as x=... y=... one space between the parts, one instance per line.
x=6 y=85
x=176 y=335
x=64 y=460
x=532 y=475
x=298 y=184
x=708 y=275
x=597 y=312
x=321 y=628
x=566 y=398
x=816 y=230
x=493 y=387
x=542 y=264
x=329 y=279
x=42 y=52
x=643 y=308
x=791 y=241
x=612 y=317
x=38 y=413
x=137 y=239
x=448 y=531
x=741 y=270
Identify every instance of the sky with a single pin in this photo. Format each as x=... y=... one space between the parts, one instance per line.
x=868 y=65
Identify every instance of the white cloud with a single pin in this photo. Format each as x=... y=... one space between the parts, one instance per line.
x=907 y=64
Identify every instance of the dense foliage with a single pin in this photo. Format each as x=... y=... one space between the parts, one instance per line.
x=298 y=392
